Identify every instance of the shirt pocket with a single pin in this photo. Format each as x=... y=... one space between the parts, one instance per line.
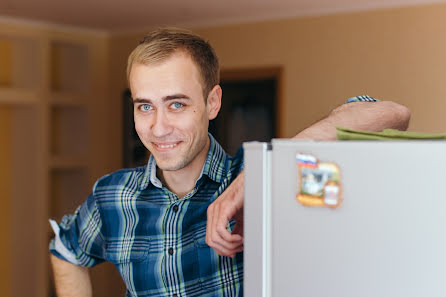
x=122 y=251
x=132 y=259
x=207 y=259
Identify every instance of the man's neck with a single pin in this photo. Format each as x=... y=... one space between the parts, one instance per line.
x=181 y=182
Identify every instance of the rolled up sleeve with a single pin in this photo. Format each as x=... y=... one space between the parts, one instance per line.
x=77 y=238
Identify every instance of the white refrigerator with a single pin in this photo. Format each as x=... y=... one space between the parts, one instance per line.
x=345 y=219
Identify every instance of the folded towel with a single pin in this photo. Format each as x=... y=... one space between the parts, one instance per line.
x=387 y=134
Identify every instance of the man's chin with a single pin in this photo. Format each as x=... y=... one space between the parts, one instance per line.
x=166 y=166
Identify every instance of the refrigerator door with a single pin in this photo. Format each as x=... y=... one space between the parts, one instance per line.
x=387 y=238
x=256 y=219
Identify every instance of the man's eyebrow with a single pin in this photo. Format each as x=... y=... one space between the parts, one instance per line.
x=175 y=96
x=141 y=100
x=166 y=98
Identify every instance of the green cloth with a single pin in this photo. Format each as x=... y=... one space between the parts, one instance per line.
x=387 y=134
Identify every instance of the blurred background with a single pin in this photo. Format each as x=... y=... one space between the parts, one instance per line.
x=65 y=118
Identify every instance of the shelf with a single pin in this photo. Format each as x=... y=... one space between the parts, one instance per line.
x=69 y=131
x=69 y=188
x=62 y=162
x=48 y=80
x=20 y=60
x=69 y=67
x=6 y=62
x=15 y=96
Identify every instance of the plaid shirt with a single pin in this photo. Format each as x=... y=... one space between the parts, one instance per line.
x=155 y=240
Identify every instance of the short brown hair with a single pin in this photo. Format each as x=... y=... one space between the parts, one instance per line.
x=160 y=44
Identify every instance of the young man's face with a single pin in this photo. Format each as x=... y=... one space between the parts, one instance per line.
x=171 y=115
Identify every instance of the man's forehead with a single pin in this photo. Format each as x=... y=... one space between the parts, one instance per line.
x=173 y=76
x=179 y=65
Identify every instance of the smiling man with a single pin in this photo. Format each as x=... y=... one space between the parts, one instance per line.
x=172 y=117
x=163 y=225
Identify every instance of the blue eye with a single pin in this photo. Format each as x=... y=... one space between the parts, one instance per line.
x=177 y=105
x=145 y=107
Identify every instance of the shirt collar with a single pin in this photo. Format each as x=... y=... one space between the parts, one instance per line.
x=214 y=167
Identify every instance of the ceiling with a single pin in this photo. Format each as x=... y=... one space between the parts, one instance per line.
x=136 y=15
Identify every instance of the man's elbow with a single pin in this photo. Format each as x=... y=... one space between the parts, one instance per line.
x=401 y=115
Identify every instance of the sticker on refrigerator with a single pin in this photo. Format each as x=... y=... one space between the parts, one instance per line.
x=319 y=182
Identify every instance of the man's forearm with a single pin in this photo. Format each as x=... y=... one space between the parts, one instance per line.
x=70 y=280
x=368 y=116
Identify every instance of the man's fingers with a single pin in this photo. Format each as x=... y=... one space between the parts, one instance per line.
x=225 y=244
x=221 y=223
x=229 y=205
x=217 y=235
x=222 y=251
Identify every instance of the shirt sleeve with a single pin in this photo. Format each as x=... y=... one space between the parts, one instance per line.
x=362 y=98
x=78 y=238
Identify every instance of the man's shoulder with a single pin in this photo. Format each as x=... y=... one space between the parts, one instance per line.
x=122 y=178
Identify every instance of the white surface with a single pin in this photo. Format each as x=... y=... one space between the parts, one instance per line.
x=388 y=237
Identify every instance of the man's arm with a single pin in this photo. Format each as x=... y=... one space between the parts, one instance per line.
x=357 y=115
x=71 y=280
x=367 y=116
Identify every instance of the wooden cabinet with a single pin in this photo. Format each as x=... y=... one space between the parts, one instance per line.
x=53 y=84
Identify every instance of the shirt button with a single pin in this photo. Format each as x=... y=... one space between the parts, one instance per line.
x=170 y=251
x=175 y=208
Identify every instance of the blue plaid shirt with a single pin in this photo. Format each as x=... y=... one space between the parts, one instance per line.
x=155 y=240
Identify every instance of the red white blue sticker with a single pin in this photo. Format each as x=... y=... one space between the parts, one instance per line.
x=319 y=182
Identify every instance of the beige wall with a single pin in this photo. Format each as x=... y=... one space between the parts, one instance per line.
x=397 y=54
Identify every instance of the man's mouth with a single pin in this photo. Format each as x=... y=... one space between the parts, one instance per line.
x=165 y=146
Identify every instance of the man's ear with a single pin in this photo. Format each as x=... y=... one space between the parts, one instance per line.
x=214 y=102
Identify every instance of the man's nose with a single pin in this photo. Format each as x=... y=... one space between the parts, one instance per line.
x=161 y=125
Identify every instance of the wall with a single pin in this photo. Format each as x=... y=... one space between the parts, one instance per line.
x=391 y=54
x=5 y=200
x=394 y=54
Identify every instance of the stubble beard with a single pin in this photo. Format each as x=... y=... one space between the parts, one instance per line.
x=186 y=159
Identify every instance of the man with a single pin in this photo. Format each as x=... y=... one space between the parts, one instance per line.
x=153 y=222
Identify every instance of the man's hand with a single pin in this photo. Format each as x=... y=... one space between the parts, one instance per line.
x=229 y=205
x=375 y=116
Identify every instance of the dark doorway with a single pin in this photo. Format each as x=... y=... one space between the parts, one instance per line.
x=249 y=109
x=134 y=152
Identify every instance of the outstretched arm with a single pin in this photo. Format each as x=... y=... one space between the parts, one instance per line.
x=369 y=116
x=70 y=280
